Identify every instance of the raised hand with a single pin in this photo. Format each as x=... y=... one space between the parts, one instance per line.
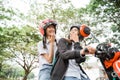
x=74 y=37
x=52 y=37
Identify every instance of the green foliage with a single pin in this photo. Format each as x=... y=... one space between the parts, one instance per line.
x=105 y=14
x=5 y=70
x=6 y=13
x=17 y=42
x=4 y=41
x=106 y=11
x=12 y=72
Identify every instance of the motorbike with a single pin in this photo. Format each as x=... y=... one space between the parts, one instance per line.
x=110 y=59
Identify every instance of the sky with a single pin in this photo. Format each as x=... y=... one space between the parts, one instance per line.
x=23 y=5
x=80 y=3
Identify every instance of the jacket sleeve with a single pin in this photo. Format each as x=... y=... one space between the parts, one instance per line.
x=65 y=53
x=82 y=58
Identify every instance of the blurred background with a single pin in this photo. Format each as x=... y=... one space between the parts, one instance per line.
x=19 y=33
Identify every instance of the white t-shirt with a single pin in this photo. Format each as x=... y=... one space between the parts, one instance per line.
x=73 y=68
x=41 y=50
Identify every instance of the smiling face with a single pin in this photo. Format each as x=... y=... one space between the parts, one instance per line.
x=50 y=30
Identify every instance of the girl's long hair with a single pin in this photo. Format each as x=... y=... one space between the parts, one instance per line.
x=45 y=40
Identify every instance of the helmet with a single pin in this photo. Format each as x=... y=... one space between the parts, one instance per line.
x=75 y=27
x=83 y=29
x=46 y=23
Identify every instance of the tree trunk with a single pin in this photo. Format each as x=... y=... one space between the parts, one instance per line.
x=0 y=66
x=26 y=75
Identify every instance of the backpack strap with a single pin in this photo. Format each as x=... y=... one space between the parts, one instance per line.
x=55 y=60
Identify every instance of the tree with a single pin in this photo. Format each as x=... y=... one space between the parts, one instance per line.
x=4 y=53
x=55 y=9
x=9 y=15
x=19 y=44
x=104 y=15
x=4 y=71
x=106 y=10
x=23 y=47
